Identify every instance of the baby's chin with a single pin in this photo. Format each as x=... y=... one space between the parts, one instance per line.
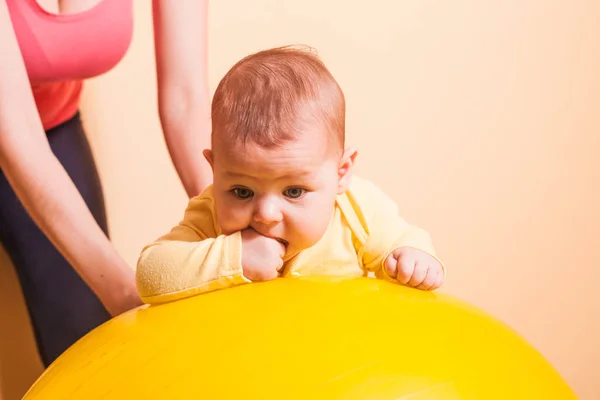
x=292 y=251
x=289 y=255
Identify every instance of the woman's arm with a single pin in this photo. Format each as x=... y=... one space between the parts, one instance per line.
x=180 y=31
x=45 y=189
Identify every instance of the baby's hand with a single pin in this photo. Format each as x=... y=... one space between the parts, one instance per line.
x=262 y=257
x=414 y=268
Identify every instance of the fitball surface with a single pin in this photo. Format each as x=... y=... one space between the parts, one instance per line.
x=318 y=338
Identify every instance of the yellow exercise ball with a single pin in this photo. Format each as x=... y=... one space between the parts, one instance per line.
x=300 y=338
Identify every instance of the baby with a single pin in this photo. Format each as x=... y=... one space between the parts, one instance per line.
x=283 y=202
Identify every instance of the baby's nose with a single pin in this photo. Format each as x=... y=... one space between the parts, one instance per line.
x=268 y=212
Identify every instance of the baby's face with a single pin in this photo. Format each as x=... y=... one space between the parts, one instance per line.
x=287 y=193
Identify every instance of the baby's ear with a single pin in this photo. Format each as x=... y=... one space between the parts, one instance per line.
x=345 y=169
x=208 y=154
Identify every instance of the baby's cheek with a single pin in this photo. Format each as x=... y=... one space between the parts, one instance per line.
x=313 y=227
x=232 y=220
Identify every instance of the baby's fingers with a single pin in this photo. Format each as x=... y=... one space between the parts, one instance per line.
x=260 y=275
x=439 y=281
x=406 y=270
x=390 y=266
x=429 y=281
x=418 y=275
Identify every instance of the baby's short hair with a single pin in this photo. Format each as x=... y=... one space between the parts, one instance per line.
x=269 y=97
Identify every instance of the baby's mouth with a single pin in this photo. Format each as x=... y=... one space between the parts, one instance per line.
x=283 y=242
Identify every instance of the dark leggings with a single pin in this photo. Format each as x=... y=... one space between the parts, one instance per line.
x=62 y=308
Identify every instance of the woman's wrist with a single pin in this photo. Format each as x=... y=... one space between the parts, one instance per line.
x=113 y=281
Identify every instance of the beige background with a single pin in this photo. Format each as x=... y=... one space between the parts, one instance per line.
x=480 y=118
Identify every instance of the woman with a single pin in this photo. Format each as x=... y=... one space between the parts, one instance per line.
x=52 y=217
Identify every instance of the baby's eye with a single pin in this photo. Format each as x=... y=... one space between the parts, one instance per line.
x=242 y=193
x=294 y=193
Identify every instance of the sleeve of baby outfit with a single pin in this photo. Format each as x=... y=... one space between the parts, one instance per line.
x=190 y=259
x=385 y=229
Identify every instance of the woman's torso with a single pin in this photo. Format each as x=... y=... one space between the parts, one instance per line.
x=61 y=50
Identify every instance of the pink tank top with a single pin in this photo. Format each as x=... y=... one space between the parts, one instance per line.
x=60 y=51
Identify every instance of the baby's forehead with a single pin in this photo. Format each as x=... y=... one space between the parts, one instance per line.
x=313 y=140
x=270 y=175
x=291 y=159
